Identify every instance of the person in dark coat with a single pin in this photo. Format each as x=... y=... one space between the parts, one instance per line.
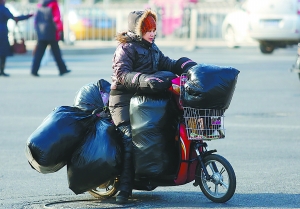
x=48 y=27
x=5 y=48
x=135 y=60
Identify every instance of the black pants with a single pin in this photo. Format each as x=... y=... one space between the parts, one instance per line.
x=2 y=64
x=39 y=53
x=119 y=109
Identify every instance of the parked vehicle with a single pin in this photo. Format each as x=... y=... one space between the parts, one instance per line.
x=235 y=27
x=273 y=23
x=211 y=172
x=91 y=24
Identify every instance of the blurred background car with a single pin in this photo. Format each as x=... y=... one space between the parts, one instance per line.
x=92 y=24
x=235 y=27
x=273 y=23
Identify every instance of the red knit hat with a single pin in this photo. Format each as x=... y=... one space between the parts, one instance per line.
x=148 y=24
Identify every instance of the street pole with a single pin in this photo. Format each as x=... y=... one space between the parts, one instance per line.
x=193 y=30
x=66 y=22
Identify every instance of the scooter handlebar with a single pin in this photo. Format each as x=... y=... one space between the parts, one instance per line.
x=175 y=87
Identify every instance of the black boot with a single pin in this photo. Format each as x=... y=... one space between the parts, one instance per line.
x=126 y=178
x=122 y=197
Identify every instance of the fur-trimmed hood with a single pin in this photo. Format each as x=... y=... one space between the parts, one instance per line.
x=135 y=21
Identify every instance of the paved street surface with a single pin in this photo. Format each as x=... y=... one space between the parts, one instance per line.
x=262 y=131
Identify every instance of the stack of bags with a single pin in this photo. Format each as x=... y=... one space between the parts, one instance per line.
x=82 y=137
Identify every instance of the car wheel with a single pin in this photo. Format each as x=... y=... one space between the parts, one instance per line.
x=266 y=48
x=230 y=37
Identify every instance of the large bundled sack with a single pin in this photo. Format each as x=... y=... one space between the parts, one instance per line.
x=210 y=86
x=97 y=159
x=93 y=96
x=50 y=146
x=154 y=121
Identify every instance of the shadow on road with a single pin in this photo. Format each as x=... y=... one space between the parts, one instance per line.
x=185 y=200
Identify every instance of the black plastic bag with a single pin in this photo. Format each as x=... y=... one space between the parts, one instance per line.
x=93 y=96
x=50 y=146
x=97 y=160
x=166 y=74
x=210 y=86
x=154 y=121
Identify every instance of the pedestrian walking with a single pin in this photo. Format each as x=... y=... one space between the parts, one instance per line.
x=49 y=28
x=5 y=48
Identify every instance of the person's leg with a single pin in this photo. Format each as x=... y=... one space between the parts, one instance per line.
x=39 y=53
x=127 y=174
x=119 y=109
x=2 y=66
x=58 y=58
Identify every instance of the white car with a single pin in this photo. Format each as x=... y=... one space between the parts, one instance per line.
x=235 y=28
x=273 y=23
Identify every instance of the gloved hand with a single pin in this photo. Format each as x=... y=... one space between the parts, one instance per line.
x=153 y=83
x=183 y=65
x=146 y=83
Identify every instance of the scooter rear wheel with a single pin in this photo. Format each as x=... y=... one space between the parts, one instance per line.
x=221 y=185
x=106 y=190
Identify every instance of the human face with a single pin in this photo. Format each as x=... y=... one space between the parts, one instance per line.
x=150 y=35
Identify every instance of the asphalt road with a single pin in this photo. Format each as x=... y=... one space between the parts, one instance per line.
x=262 y=132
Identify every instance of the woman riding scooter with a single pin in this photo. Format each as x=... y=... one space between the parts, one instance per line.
x=136 y=58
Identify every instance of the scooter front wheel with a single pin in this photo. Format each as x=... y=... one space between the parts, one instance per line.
x=106 y=190
x=221 y=184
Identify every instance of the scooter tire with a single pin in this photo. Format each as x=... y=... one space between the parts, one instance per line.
x=222 y=183
x=105 y=190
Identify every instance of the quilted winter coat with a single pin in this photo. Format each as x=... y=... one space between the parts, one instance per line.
x=133 y=54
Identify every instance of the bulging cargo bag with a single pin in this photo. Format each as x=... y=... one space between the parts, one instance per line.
x=93 y=96
x=154 y=121
x=97 y=159
x=210 y=86
x=50 y=146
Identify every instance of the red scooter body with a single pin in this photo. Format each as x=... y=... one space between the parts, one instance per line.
x=187 y=168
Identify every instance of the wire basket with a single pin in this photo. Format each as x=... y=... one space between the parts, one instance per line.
x=202 y=124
